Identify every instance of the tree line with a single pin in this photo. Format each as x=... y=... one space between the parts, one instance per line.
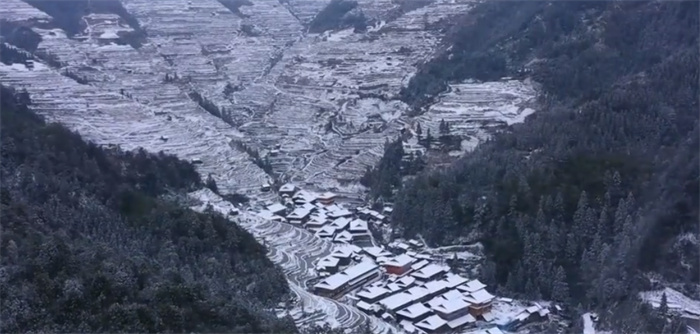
x=101 y=240
x=601 y=184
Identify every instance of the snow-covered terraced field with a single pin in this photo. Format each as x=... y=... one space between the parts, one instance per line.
x=470 y=108
x=295 y=250
x=307 y=93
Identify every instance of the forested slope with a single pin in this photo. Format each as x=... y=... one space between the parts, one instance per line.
x=601 y=184
x=90 y=244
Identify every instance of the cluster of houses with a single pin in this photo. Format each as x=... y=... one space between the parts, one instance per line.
x=322 y=216
x=399 y=284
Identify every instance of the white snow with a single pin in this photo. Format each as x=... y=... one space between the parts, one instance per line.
x=676 y=301
x=588 y=327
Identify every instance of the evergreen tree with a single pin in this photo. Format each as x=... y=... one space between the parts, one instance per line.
x=663 y=306
x=560 y=287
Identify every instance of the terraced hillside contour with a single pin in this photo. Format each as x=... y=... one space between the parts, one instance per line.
x=328 y=101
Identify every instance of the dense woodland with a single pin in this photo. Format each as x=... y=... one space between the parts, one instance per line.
x=601 y=184
x=338 y=14
x=97 y=240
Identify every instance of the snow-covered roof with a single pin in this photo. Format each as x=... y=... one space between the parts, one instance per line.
x=326 y=231
x=396 y=301
x=449 y=295
x=299 y=213
x=402 y=260
x=435 y=286
x=461 y=321
x=453 y=280
x=364 y=306
x=304 y=196
x=403 y=246
x=277 y=207
x=428 y=271
x=376 y=251
x=431 y=323
x=480 y=297
x=308 y=206
x=451 y=306
x=315 y=222
x=372 y=292
x=342 y=212
x=406 y=281
x=327 y=195
x=419 y=264
x=342 y=253
x=343 y=236
x=358 y=225
x=408 y=326
x=337 y=280
x=472 y=286
x=387 y=210
x=266 y=214
x=415 y=243
x=341 y=223
x=288 y=188
x=414 y=311
x=417 y=292
x=488 y=316
x=328 y=262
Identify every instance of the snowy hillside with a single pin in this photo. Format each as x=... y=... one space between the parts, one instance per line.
x=327 y=101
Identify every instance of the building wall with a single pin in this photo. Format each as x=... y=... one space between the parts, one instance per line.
x=476 y=311
x=453 y=315
x=397 y=270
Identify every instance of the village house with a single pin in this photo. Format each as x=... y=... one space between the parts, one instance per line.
x=400 y=284
x=415 y=243
x=453 y=280
x=436 y=287
x=399 y=265
x=413 y=313
x=452 y=309
x=326 y=232
x=341 y=223
x=462 y=321
x=299 y=216
x=327 y=198
x=287 y=189
x=343 y=237
x=368 y=308
x=277 y=209
x=347 y=280
x=396 y=302
x=358 y=226
x=480 y=302
x=420 y=264
x=376 y=252
x=329 y=264
x=372 y=294
x=432 y=324
x=315 y=224
x=471 y=286
x=303 y=197
x=344 y=254
x=429 y=272
x=339 y=212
